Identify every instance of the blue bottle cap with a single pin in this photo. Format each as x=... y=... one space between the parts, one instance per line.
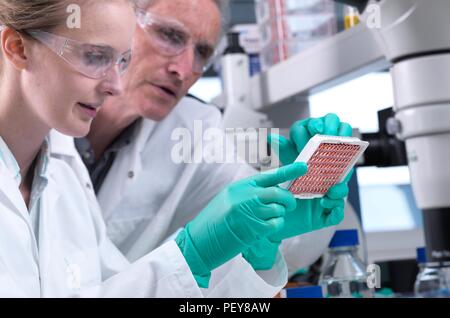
x=304 y=292
x=344 y=238
x=421 y=255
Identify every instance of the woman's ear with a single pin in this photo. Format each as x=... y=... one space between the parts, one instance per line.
x=13 y=45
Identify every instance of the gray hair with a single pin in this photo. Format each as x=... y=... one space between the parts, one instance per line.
x=224 y=8
x=223 y=5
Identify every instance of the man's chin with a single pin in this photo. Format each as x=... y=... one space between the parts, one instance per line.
x=157 y=113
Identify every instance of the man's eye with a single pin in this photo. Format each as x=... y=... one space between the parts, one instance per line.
x=204 y=53
x=96 y=58
x=171 y=35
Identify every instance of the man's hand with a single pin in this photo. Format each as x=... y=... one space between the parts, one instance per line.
x=309 y=215
x=240 y=215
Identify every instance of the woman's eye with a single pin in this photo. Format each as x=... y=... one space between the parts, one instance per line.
x=96 y=58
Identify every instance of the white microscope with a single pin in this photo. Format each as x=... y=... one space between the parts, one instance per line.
x=414 y=36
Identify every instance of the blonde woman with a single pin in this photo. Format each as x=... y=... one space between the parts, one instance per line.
x=52 y=236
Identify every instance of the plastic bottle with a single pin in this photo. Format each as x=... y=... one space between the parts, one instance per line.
x=431 y=280
x=235 y=73
x=344 y=274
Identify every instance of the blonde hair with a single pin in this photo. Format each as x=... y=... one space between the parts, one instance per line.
x=24 y=15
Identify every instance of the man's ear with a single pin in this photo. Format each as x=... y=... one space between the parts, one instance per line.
x=13 y=45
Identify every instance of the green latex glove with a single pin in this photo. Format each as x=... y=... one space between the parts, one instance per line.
x=310 y=215
x=302 y=131
x=239 y=216
x=262 y=254
x=315 y=214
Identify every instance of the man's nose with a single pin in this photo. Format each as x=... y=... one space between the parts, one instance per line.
x=183 y=64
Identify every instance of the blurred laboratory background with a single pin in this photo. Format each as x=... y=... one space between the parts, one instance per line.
x=313 y=57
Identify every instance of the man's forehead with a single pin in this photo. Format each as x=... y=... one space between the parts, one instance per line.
x=195 y=18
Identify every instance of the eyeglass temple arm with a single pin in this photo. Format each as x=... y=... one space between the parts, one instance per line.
x=55 y=43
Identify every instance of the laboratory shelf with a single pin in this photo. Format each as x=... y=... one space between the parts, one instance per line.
x=343 y=57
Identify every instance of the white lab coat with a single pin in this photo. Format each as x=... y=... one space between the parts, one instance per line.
x=172 y=276
x=75 y=257
x=146 y=197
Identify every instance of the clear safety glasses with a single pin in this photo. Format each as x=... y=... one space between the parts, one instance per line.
x=91 y=60
x=171 y=38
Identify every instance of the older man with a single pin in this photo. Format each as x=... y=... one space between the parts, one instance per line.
x=146 y=197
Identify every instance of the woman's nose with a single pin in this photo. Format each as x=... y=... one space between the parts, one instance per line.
x=112 y=83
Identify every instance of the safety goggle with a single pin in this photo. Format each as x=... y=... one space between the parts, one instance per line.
x=171 y=38
x=93 y=61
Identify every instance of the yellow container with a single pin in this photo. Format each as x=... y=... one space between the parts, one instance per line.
x=351 y=17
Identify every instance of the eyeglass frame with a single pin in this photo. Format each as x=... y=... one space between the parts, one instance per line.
x=39 y=36
x=145 y=18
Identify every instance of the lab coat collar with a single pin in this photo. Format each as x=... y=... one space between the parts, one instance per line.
x=140 y=137
x=142 y=133
x=10 y=168
x=8 y=162
x=51 y=196
x=10 y=179
x=40 y=180
x=41 y=169
x=61 y=144
x=43 y=178
x=10 y=190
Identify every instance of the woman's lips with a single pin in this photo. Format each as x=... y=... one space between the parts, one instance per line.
x=88 y=110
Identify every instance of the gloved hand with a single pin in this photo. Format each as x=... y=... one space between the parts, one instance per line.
x=239 y=216
x=262 y=254
x=315 y=214
x=312 y=214
x=302 y=131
